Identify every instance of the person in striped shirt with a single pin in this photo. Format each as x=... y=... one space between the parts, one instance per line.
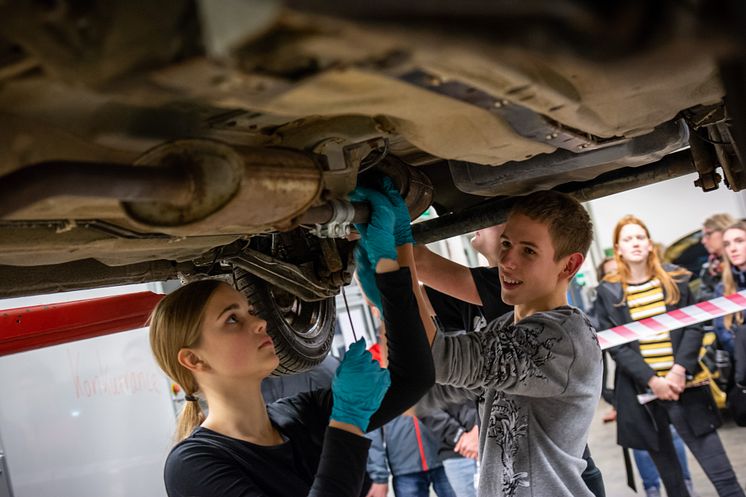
x=666 y=365
x=647 y=300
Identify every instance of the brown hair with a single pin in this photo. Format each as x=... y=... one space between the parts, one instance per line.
x=600 y=269
x=729 y=284
x=654 y=266
x=569 y=224
x=719 y=222
x=176 y=322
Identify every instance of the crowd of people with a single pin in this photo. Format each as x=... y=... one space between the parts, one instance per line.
x=666 y=364
x=485 y=380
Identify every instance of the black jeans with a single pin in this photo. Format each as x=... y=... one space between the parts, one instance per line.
x=592 y=476
x=665 y=458
x=739 y=355
x=709 y=452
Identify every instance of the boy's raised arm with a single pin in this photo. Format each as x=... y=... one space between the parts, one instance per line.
x=406 y=259
x=445 y=275
x=533 y=357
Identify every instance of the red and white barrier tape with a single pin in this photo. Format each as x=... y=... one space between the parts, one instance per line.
x=686 y=316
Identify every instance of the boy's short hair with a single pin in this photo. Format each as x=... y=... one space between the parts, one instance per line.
x=569 y=224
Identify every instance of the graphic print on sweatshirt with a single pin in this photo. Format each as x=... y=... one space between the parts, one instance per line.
x=518 y=352
x=506 y=428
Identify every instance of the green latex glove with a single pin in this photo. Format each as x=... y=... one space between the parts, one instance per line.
x=377 y=236
x=402 y=222
x=358 y=387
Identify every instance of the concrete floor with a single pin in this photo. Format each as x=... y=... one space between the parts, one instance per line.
x=608 y=457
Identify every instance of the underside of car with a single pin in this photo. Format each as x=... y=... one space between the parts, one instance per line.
x=145 y=141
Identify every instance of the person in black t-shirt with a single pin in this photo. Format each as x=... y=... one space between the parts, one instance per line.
x=464 y=298
x=473 y=294
x=208 y=339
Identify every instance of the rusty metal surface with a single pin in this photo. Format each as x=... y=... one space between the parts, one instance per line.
x=547 y=171
x=275 y=187
x=83 y=274
x=24 y=243
x=32 y=184
x=414 y=186
x=322 y=214
x=216 y=170
x=291 y=278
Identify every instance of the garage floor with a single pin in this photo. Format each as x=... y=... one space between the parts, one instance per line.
x=608 y=456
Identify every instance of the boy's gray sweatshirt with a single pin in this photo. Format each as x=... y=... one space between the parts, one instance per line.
x=538 y=382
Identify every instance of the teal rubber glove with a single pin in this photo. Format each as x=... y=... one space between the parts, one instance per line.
x=358 y=387
x=366 y=276
x=378 y=235
x=402 y=222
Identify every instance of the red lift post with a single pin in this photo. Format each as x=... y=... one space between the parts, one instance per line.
x=28 y=328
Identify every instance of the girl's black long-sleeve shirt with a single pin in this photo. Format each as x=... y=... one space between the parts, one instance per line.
x=314 y=460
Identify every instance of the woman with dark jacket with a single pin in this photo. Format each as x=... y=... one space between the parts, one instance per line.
x=667 y=365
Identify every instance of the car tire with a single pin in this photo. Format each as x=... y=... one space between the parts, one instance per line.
x=302 y=331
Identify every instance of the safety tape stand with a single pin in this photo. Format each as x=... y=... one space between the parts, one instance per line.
x=679 y=318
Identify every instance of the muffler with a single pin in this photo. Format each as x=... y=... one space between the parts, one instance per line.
x=236 y=189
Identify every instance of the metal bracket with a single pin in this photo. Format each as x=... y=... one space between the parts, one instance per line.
x=705 y=160
x=338 y=226
x=523 y=120
x=342 y=157
x=289 y=277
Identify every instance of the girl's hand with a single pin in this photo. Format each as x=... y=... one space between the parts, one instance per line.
x=676 y=377
x=358 y=387
x=662 y=389
x=377 y=236
x=402 y=224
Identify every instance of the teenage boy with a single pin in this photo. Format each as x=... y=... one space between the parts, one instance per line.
x=536 y=371
x=467 y=299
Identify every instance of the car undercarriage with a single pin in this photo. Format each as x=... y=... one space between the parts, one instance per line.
x=144 y=141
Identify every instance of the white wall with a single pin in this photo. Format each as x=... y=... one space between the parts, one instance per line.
x=671 y=209
x=90 y=418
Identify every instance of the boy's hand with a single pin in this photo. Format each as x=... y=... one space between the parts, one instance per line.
x=468 y=444
x=403 y=223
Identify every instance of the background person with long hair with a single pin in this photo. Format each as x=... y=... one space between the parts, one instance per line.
x=645 y=465
x=730 y=329
x=712 y=239
x=666 y=365
x=208 y=339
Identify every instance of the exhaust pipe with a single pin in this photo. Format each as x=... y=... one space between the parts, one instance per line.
x=25 y=187
x=183 y=188
x=238 y=190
